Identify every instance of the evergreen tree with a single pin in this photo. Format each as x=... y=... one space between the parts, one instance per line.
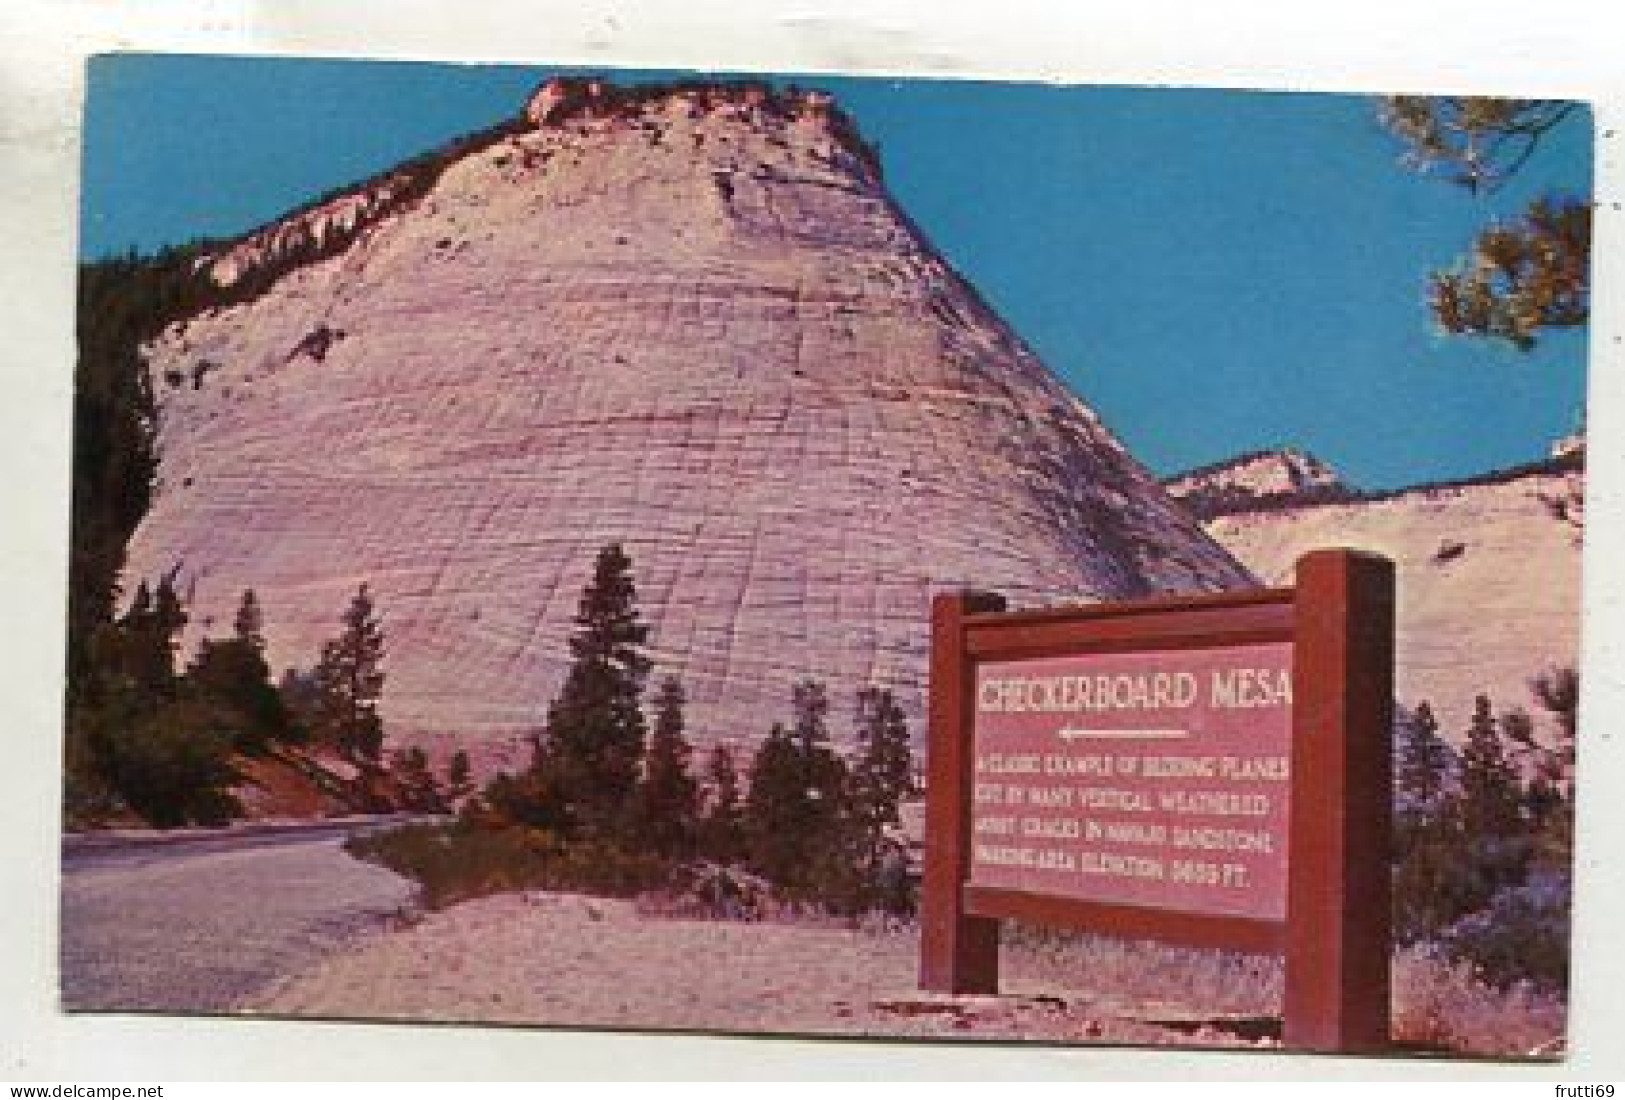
x=594 y=744
x=669 y=798
x=884 y=774
x=248 y=625
x=1489 y=783
x=776 y=809
x=810 y=703
x=1557 y=691
x=233 y=675
x=163 y=752
x=1423 y=771
x=416 y=783
x=796 y=813
x=146 y=641
x=459 y=776
x=1434 y=881
x=1551 y=790
x=348 y=682
x=722 y=831
x=882 y=778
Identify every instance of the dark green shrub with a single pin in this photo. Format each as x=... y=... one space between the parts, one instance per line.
x=173 y=767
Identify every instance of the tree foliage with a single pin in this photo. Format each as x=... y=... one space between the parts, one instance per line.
x=140 y=736
x=1484 y=846
x=1520 y=277
x=722 y=828
x=1422 y=772
x=459 y=776
x=1489 y=783
x=348 y=683
x=593 y=747
x=417 y=788
x=818 y=828
x=232 y=674
x=793 y=812
x=1477 y=142
x=668 y=799
x=173 y=765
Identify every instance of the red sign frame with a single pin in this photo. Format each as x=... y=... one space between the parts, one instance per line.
x=1336 y=935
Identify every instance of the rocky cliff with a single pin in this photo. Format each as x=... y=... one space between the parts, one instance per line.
x=1488 y=575
x=1255 y=480
x=690 y=319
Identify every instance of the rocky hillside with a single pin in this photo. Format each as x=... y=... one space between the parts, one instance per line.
x=1488 y=575
x=687 y=318
x=1257 y=480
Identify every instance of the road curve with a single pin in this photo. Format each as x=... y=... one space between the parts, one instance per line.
x=196 y=922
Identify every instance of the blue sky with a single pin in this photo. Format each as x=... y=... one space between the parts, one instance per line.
x=1214 y=271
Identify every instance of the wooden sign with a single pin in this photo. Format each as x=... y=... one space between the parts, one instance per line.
x=1212 y=770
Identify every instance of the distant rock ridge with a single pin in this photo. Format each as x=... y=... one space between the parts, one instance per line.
x=1488 y=573
x=1256 y=479
x=687 y=319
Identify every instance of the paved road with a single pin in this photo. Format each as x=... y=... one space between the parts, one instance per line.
x=195 y=922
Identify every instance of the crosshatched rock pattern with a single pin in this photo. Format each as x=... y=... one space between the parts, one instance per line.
x=698 y=326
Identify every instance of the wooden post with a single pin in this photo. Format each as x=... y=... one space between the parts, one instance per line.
x=1338 y=885
x=958 y=953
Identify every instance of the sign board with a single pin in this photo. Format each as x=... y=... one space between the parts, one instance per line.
x=1136 y=778
x=1211 y=770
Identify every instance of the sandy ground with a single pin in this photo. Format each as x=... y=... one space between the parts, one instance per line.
x=558 y=959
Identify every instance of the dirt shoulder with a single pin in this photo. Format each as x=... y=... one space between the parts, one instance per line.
x=562 y=959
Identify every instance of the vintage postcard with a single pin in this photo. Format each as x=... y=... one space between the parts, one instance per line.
x=838 y=556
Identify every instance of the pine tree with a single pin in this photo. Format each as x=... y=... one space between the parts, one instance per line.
x=884 y=774
x=415 y=782
x=147 y=637
x=232 y=675
x=1521 y=277
x=796 y=814
x=811 y=706
x=776 y=809
x=248 y=625
x=459 y=776
x=349 y=680
x=722 y=831
x=1551 y=791
x=669 y=798
x=881 y=780
x=1433 y=881
x=1423 y=771
x=594 y=744
x=1557 y=690
x=1489 y=783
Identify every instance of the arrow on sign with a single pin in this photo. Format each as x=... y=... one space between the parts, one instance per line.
x=1071 y=733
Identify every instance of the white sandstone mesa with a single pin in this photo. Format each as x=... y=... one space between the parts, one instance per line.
x=689 y=319
x=1488 y=568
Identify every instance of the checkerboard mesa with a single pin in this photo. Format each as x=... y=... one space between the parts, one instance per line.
x=687 y=318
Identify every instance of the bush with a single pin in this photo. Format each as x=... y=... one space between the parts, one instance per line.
x=1521 y=936
x=452 y=863
x=455 y=863
x=173 y=767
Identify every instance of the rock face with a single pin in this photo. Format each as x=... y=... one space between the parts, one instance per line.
x=690 y=320
x=1246 y=482
x=1488 y=577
